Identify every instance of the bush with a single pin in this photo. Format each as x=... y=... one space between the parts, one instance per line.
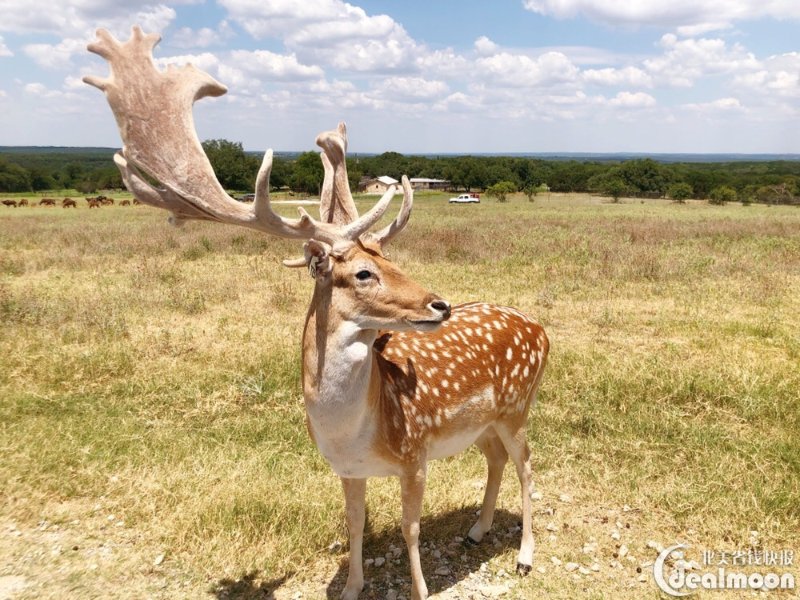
x=501 y=190
x=680 y=192
x=721 y=195
x=615 y=187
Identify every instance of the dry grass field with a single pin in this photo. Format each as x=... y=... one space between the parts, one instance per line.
x=152 y=428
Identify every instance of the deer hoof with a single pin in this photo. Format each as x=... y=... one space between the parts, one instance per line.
x=468 y=541
x=523 y=570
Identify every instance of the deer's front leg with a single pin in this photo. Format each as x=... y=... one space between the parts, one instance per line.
x=355 y=491
x=412 y=487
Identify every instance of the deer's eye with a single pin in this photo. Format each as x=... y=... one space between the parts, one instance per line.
x=363 y=275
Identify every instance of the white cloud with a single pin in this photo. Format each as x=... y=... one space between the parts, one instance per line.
x=458 y=102
x=633 y=100
x=716 y=106
x=75 y=84
x=701 y=28
x=519 y=70
x=4 y=51
x=76 y=23
x=329 y=32
x=627 y=76
x=413 y=88
x=691 y=16
x=445 y=63
x=55 y=56
x=186 y=37
x=685 y=61
x=279 y=17
x=76 y=19
x=484 y=46
x=40 y=90
x=368 y=56
x=205 y=61
x=778 y=75
x=274 y=66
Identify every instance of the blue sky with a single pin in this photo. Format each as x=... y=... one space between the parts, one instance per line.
x=437 y=76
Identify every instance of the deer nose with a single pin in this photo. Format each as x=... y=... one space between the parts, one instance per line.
x=442 y=307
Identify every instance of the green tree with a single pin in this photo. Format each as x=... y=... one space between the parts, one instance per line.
x=87 y=186
x=722 y=194
x=234 y=169
x=14 y=178
x=42 y=180
x=615 y=187
x=774 y=194
x=644 y=177
x=501 y=190
x=72 y=174
x=680 y=192
x=281 y=174
x=308 y=173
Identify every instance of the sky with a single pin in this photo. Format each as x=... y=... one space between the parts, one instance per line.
x=442 y=76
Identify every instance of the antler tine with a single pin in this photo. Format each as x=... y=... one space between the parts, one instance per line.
x=161 y=198
x=385 y=235
x=267 y=220
x=361 y=225
x=153 y=110
x=336 y=201
x=326 y=194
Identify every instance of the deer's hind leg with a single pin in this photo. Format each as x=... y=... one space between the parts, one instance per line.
x=496 y=458
x=515 y=442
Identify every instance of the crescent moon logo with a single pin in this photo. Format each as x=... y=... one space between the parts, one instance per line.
x=658 y=572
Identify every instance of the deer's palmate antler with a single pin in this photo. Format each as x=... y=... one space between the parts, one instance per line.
x=153 y=110
x=393 y=376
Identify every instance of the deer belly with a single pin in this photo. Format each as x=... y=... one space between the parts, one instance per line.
x=354 y=458
x=445 y=446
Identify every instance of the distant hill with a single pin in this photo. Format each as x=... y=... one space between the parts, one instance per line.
x=55 y=150
x=601 y=157
x=68 y=152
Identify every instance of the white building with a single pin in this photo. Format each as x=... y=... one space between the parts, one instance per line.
x=378 y=185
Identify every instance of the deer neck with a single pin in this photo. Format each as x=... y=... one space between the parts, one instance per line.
x=338 y=366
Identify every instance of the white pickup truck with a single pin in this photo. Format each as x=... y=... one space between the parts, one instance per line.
x=465 y=199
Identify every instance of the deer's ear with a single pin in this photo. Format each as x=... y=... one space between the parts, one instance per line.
x=318 y=258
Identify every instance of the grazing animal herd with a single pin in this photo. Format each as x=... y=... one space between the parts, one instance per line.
x=92 y=202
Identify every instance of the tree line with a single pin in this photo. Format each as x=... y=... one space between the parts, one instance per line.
x=749 y=181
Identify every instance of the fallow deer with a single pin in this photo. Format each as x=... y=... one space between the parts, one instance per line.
x=10 y=203
x=23 y=202
x=47 y=202
x=392 y=375
x=69 y=202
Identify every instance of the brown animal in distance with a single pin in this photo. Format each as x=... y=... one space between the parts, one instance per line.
x=392 y=375
x=47 y=202
x=93 y=202
x=8 y=202
x=23 y=202
x=69 y=202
